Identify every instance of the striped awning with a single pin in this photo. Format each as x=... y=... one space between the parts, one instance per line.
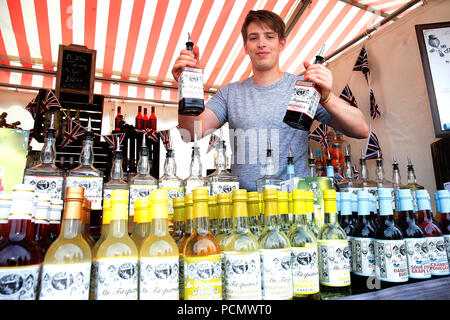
x=137 y=41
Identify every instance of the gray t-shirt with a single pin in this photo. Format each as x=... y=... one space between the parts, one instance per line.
x=255 y=113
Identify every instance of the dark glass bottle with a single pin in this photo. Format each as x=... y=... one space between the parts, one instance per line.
x=152 y=120
x=118 y=118
x=436 y=245
x=390 y=250
x=139 y=121
x=303 y=104
x=41 y=223
x=345 y=218
x=444 y=223
x=416 y=243
x=54 y=223
x=190 y=88
x=5 y=206
x=363 y=246
x=20 y=250
x=146 y=120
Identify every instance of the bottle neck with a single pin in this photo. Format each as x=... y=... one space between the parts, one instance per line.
x=117 y=170
x=87 y=153
x=118 y=226
x=159 y=227
x=170 y=167
x=48 y=152
x=240 y=215
x=143 y=166
x=363 y=173
x=195 y=169
x=269 y=169
x=221 y=160
x=396 y=179
x=411 y=175
x=348 y=173
x=70 y=228
x=299 y=211
x=379 y=171
x=270 y=213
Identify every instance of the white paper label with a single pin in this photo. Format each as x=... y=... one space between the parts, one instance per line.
x=172 y=193
x=363 y=256
x=190 y=85
x=65 y=282
x=419 y=266
x=304 y=99
x=391 y=261
x=116 y=278
x=139 y=191
x=19 y=283
x=276 y=274
x=159 y=278
x=93 y=188
x=438 y=256
x=223 y=187
x=305 y=269
x=334 y=262
x=243 y=276
x=51 y=186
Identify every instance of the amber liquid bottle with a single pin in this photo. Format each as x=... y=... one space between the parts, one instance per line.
x=118 y=119
x=303 y=103
x=190 y=88
x=145 y=117
x=20 y=256
x=152 y=120
x=139 y=121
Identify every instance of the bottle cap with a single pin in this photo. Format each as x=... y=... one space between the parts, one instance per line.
x=404 y=198
x=119 y=195
x=200 y=194
x=423 y=199
x=385 y=201
x=178 y=202
x=270 y=194
x=74 y=193
x=329 y=194
x=222 y=197
x=363 y=203
x=240 y=194
x=346 y=203
x=141 y=203
x=298 y=194
x=159 y=195
x=253 y=196
x=24 y=190
x=329 y=197
x=282 y=195
x=354 y=201
x=212 y=200
x=444 y=201
x=188 y=199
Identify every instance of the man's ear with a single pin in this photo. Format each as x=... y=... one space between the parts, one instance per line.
x=245 y=48
x=283 y=44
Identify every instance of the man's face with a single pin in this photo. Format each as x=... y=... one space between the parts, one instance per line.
x=263 y=46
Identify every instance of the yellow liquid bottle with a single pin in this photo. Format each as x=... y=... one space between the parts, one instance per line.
x=86 y=218
x=67 y=263
x=242 y=259
x=106 y=218
x=178 y=219
x=305 y=268
x=213 y=214
x=141 y=228
x=312 y=223
x=158 y=256
x=275 y=249
x=253 y=209
x=283 y=210
x=115 y=265
x=188 y=230
x=202 y=264
x=223 y=218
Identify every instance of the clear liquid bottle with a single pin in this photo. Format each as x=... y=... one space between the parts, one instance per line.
x=91 y=179
x=224 y=218
x=66 y=269
x=202 y=263
x=334 y=253
x=275 y=249
x=444 y=223
x=311 y=218
x=142 y=220
x=290 y=168
x=115 y=266
x=178 y=219
x=396 y=184
x=116 y=180
x=213 y=214
x=304 y=256
x=195 y=178
x=20 y=256
x=270 y=179
x=412 y=183
x=312 y=163
x=283 y=210
x=222 y=181
x=320 y=166
x=159 y=256
x=347 y=184
x=391 y=265
x=364 y=181
x=241 y=255
x=363 y=246
x=419 y=267
x=253 y=213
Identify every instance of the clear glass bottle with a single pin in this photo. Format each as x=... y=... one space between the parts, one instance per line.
x=290 y=168
x=47 y=178
x=141 y=228
x=202 y=255
x=253 y=213
x=270 y=179
x=20 y=256
x=159 y=256
x=347 y=184
x=391 y=265
x=222 y=181
x=334 y=253
x=396 y=184
x=320 y=166
x=67 y=265
x=242 y=259
x=283 y=210
x=142 y=184
x=116 y=180
x=362 y=241
x=91 y=179
x=304 y=256
x=54 y=226
x=419 y=267
x=188 y=230
x=412 y=183
x=312 y=163
x=310 y=215
x=213 y=214
x=224 y=219
x=178 y=219
x=380 y=179
x=364 y=182
x=195 y=178
x=115 y=265
x=275 y=249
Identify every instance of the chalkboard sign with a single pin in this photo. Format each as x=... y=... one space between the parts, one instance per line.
x=76 y=70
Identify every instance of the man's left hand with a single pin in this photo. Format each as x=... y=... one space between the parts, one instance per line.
x=321 y=76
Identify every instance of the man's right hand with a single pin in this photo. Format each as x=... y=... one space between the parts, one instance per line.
x=186 y=58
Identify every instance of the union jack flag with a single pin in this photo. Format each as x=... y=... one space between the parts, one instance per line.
x=213 y=141
x=72 y=133
x=114 y=140
x=150 y=133
x=362 y=63
x=165 y=138
x=320 y=134
x=49 y=101
x=373 y=147
x=374 y=110
x=347 y=96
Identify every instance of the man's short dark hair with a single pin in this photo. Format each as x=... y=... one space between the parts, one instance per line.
x=267 y=18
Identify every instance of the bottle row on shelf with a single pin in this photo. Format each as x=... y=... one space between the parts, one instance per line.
x=221 y=247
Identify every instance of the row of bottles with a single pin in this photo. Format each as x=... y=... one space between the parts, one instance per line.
x=142 y=120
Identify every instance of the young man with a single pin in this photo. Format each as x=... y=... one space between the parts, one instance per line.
x=255 y=107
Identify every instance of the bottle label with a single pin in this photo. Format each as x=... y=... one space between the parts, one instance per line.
x=363 y=256
x=438 y=256
x=19 y=283
x=304 y=99
x=172 y=193
x=334 y=262
x=243 y=276
x=139 y=191
x=391 y=261
x=350 y=247
x=116 y=278
x=419 y=266
x=447 y=246
x=93 y=187
x=203 y=278
x=223 y=187
x=305 y=269
x=51 y=186
x=276 y=274
x=190 y=85
x=65 y=281
x=158 y=278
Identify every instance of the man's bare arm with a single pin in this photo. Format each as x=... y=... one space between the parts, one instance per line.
x=203 y=124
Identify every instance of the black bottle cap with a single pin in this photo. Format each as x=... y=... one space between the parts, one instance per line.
x=189 y=43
